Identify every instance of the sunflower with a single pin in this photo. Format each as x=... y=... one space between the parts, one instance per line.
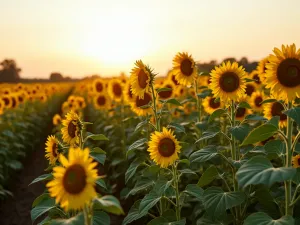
x=241 y=113
x=275 y=109
x=6 y=91
x=163 y=148
x=101 y=101
x=203 y=81
x=14 y=100
x=261 y=68
x=140 y=79
x=127 y=93
x=180 y=91
x=74 y=182
x=115 y=90
x=138 y=102
x=184 y=68
x=167 y=94
x=99 y=85
x=296 y=161
x=254 y=75
x=52 y=149
x=71 y=128
x=250 y=88
x=22 y=97
x=56 y=119
x=227 y=81
x=1 y=105
x=81 y=102
x=283 y=72
x=210 y=105
x=255 y=101
x=172 y=77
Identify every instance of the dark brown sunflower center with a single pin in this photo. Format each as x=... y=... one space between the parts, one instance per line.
x=20 y=99
x=14 y=103
x=257 y=79
x=80 y=104
x=186 y=67
x=174 y=80
x=117 y=89
x=277 y=109
x=298 y=160
x=72 y=128
x=6 y=92
x=240 y=112
x=99 y=87
x=101 y=100
x=142 y=79
x=166 y=147
x=229 y=82
x=288 y=72
x=166 y=94
x=74 y=180
x=258 y=101
x=249 y=89
x=34 y=92
x=54 y=150
x=141 y=102
x=6 y=101
x=214 y=104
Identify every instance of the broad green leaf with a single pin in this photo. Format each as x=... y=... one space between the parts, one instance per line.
x=296 y=178
x=98 y=150
x=172 y=101
x=161 y=185
x=187 y=171
x=158 y=221
x=42 y=207
x=260 y=133
x=100 y=218
x=99 y=157
x=40 y=198
x=101 y=183
x=194 y=190
x=138 y=144
x=163 y=89
x=76 y=220
x=134 y=213
x=215 y=114
x=204 y=154
x=132 y=169
x=148 y=202
x=178 y=127
x=294 y=113
x=267 y=201
x=184 y=161
x=43 y=177
x=274 y=147
x=264 y=219
x=140 y=125
x=240 y=132
x=259 y=170
x=109 y=204
x=97 y=137
x=204 y=93
x=268 y=101
x=255 y=117
x=208 y=176
x=207 y=135
x=142 y=184
x=216 y=201
x=244 y=105
x=274 y=121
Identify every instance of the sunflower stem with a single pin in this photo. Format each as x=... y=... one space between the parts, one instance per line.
x=288 y=184
x=87 y=217
x=155 y=108
x=175 y=175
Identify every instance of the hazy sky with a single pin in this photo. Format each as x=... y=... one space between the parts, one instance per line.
x=105 y=37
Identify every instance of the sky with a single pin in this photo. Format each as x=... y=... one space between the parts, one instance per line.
x=106 y=37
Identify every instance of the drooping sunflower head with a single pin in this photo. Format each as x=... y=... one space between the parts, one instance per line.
x=275 y=109
x=139 y=102
x=227 y=81
x=140 y=79
x=101 y=101
x=296 y=161
x=56 y=120
x=71 y=128
x=210 y=104
x=283 y=72
x=52 y=152
x=74 y=182
x=115 y=90
x=169 y=93
x=163 y=148
x=184 y=68
x=128 y=95
x=255 y=101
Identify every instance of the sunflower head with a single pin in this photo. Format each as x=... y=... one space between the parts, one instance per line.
x=72 y=127
x=172 y=77
x=99 y=85
x=227 y=81
x=259 y=79
x=128 y=95
x=275 y=109
x=169 y=93
x=163 y=148
x=283 y=72
x=101 y=101
x=261 y=68
x=140 y=102
x=255 y=101
x=74 y=182
x=250 y=88
x=52 y=149
x=296 y=161
x=115 y=90
x=184 y=68
x=56 y=119
x=210 y=104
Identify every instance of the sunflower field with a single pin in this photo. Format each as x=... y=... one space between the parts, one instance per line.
x=188 y=148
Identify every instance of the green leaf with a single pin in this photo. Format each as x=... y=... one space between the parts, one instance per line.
x=274 y=147
x=142 y=184
x=98 y=150
x=161 y=185
x=40 y=198
x=215 y=114
x=268 y=101
x=194 y=190
x=184 y=161
x=134 y=213
x=99 y=157
x=187 y=171
x=244 y=105
x=163 y=89
x=264 y=219
x=255 y=117
x=294 y=113
x=148 y=202
x=109 y=204
x=101 y=183
x=204 y=154
x=43 y=177
x=216 y=201
x=132 y=169
x=274 y=121
x=173 y=101
x=140 y=125
x=97 y=137
x=260 y=133
x=204 y=93
x=240 y=132
x=259 y=170
x=14 y=164
x=158 y=221
x=178 y=127
x=100 y=218
x=296 y=178
x=42 y=207
x=207 y=135
x=76 y=220
x=267 y=201
x=208 y=176
x=137 y=144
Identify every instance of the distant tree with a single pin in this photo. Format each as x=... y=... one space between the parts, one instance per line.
x=9 y=71
x=229 y=59
x=244 y=61
x=56 y=77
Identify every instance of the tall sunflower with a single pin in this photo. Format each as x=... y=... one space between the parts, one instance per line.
x=52 y=152
x=71 y=128
x=227 y=81
x=56 y=120
x=163 y=148
x=184 y=68
x=283 y=72
x=101 y=101
x=140 y=79
x=139 y=102
x=255 y=101
x=74 y=182
x=210 y=105
x=115 y=90
x=275 y=109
